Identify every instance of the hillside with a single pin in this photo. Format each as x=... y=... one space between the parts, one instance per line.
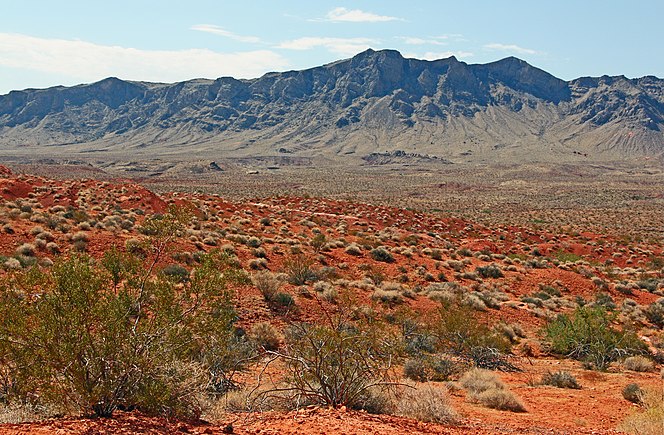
x=375 y=102
x=390 y=262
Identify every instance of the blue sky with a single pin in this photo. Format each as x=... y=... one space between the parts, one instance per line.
x=47 y=42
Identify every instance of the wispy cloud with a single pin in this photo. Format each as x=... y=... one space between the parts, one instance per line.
x=511 y=48
x=413 y=40
x=216 y=30
x=86 y=61
x=435 y=55
x=341 y=46
x=410 y=40
x=357 y=16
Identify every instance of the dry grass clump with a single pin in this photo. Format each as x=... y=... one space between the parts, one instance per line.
x=502 y=400
x=265 y=336
x=26 y=249
x=633 y=393
x=638 y=363
x=267 y=283
x=560 y=379
x=487 y=389
x=649 y=420
x=353 y=249
x=478 y=380
x=426 y=403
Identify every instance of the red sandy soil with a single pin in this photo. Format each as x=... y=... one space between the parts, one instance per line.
x=597 y=408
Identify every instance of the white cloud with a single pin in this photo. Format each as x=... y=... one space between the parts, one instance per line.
x=510 y=48
x=216 y=30
x=421 y=41
x=341 y=46
x=435 y=55
x=356 y=16
x=86 y=61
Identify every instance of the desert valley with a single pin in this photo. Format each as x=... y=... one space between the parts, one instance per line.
x=376 y=245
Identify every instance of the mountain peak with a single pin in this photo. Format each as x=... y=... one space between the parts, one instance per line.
x=375 y=101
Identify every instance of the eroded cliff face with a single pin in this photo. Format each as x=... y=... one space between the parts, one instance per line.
x=377 y=101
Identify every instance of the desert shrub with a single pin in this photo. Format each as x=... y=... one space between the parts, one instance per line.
x=150 y=345
x=655 y=313
x=80 y=246
x=136 y=247
x=427 y=403
x=430 y=368
x=265 y=336
x=80 y=236
x=588 y=336
x=633 y=393
x=416 y=369
x=318 y=242
x=12 y=264
x=176 y=272
x=254 y=242
x=638 y=363
x=381 y=254
x=388 y=297
x=560 y=379
x=353 y=249
x=26 y=250
x=339 y=362
x=299 y=269
x=458 y=331
x=479 y=380
x=502 y=400
x=648 y=284
x=490 y=271
x=486 y=388
x=605 y=300
x=258 y=264
x=648 y=419
x=267 y=283
x=283 y=301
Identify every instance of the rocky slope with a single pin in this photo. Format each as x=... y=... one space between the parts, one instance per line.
x=376 y=102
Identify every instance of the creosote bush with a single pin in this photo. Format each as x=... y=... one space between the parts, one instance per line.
x=338 y=362
x=93 y=337
x=458 y=331
x=588 y=336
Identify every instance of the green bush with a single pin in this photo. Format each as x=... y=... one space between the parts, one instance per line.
x=490 y=271
x=381 y=254
x=430 y=368
x=655 y=313
x=91 y=338
x=339 y=362
x=588 y=336
x=300 y=270
x=458 y=331
x=176 y=272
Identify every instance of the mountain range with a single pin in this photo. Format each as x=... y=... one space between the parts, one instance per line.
x=377 y=103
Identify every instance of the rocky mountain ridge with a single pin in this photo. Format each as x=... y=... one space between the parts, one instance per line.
x=375 y=102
